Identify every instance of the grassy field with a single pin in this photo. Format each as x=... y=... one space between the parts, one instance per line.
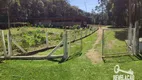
x=78 y=68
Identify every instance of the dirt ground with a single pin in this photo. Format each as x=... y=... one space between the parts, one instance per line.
x=92 y=54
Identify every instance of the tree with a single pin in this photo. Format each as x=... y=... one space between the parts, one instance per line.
x=25 y=10
x=123 y=12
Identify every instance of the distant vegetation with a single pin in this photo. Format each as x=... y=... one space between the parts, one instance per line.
x=119 y=12
x=25 y=10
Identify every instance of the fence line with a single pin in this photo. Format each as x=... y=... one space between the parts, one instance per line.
x=3 y=43
x=109 y=46
x=63 y=43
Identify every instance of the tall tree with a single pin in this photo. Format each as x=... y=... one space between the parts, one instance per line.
x=24 y=10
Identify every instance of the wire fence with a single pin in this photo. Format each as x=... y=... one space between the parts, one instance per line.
x=114 y=42
x=25 y=40
x=19 y=41
x=114 y=46
x=29 y=40
x=75 y=40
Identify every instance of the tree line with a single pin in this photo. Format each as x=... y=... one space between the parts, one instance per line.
x=119 y=12
x=24 y=10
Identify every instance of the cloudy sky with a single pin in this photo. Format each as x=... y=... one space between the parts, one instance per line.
x=90 y=4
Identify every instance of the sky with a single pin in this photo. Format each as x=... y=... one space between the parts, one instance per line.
x=90 y=4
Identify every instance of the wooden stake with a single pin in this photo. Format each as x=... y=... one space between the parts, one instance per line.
x=9 y=39
x=136 y=39
x=103 y=42
x=130 y=35
x=47 y=39
x=3 y=42
x=65 y=47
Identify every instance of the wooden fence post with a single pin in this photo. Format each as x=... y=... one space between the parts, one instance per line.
x=3 y=42
x=74 y=34
x=9 y=39
x=136 y=39
x=103 y=42
x=130 y=34
x=65 y=43
x=46 y=39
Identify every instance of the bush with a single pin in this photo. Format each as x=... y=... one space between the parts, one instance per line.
x=33 y=38
x=75 y=26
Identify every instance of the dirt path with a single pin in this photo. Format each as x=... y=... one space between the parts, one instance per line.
x=92 y=54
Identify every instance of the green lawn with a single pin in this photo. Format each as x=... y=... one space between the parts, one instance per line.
x=78 y=68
